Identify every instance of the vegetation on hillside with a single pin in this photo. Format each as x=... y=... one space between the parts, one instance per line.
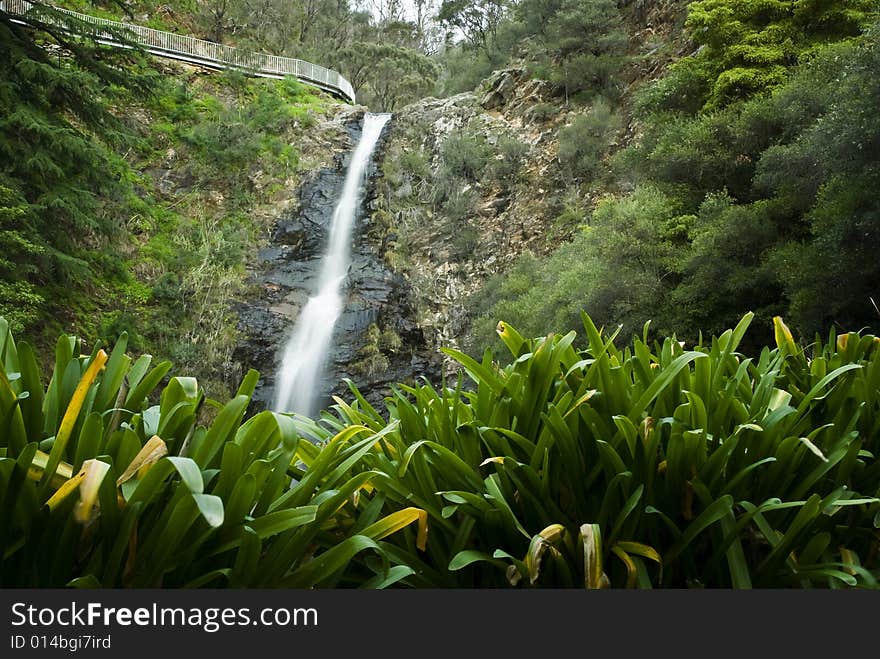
x=750 y=186
x=127 y=193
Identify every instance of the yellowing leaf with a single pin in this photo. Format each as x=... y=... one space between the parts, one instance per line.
x=631 y=569
x=78 y=398
x=537 y=547
x=580 y=401
x=783 y=336
x=346 y=434
x=398 y=520
x=150 y=454
x=68 y=488
x=553 y=534
x=542 y=542
x=850 y=559
x=594 y=577
x=647 y=427
x=72 y=413
x=63 y=472
x=94 y=473
x=422 y=535
x=639 y=549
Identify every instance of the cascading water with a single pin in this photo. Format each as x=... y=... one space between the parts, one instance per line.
x=296 y=388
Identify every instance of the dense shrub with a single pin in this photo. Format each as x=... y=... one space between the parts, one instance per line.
x=464 y=154
x=584 y=142
x=749 y=46
x=618 y=265
x=578 y=46
x=652 y=465
x=649 y=465
x=104 y=483
x=768 y=204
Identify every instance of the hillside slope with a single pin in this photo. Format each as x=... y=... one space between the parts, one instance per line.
x=473 y=182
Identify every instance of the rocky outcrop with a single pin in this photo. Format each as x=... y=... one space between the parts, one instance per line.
x=514 y=92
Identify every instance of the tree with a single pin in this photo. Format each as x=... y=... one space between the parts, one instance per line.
x=476 y=20
x=216 y=19
x=59 y=178
x=748 y=46
x=386 y=76
x=583 y=41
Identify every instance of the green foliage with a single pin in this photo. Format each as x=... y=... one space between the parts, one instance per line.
x=477 y=20
x=649 y=465
x=766 y=204
x=373 y=356
x=228 y=137
x=616 y=267
x=62 y=186
x=799 y=169
x=506 y=164
x=465 y=68
x=100 y=487
x=464 y=155
x=578 y=45
x=725 y=266
x=749 y=46
x=386 y=76
x=123 y=194
x=20 y=300
x=584 y=143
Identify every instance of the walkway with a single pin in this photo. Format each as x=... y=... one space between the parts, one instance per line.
x=197 y=51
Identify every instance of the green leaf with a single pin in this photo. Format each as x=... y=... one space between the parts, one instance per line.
x=211 y=508
x=712 y=514
x=664 y=380
x=326 y=565
x=395 y=574
x=189 y=473
x=469 y=556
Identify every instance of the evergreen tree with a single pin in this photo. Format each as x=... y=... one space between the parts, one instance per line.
x=59 y=178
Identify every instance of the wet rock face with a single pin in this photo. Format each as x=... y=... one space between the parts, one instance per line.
x=287 y=274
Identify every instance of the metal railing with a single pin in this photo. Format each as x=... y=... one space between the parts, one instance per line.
x=198 y=51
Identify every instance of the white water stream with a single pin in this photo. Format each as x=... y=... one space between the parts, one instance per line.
x=305 y=356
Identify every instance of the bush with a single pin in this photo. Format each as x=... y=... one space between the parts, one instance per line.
x=584 y=143
x=618 y=267
x=646 y=466
x=508 y=161
x=465 y=155
x=99 y=486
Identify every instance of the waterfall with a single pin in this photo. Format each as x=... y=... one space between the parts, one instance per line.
x=305 y=354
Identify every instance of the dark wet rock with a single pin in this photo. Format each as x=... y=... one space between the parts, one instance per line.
x=287 y=274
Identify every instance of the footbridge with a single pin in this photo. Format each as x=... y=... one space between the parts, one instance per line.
x=188 y=49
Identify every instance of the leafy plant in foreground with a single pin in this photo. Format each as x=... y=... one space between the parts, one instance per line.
x=99 y=487
x=649 y=466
